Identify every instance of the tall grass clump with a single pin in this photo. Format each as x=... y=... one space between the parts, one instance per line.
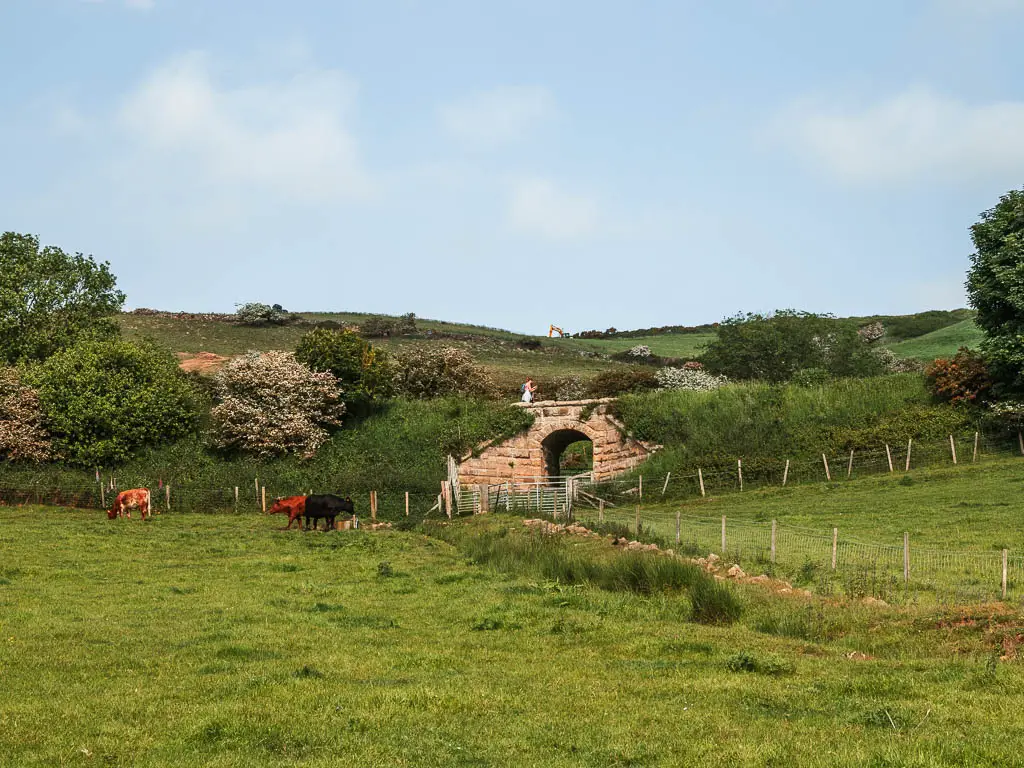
x=754 y=419
x=557 y=559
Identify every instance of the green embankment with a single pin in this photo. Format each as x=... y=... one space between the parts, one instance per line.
x=199 y=640
x=941 y=343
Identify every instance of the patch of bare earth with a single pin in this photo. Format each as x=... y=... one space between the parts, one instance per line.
x=206 y=363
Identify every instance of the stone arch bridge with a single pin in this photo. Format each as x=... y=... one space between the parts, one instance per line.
x=535 y=452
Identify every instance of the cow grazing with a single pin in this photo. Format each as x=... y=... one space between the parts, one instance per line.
x=326 y=506
x=293 y=506
x=126 y=501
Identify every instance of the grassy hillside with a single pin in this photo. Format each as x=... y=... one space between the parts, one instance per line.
x=942 y=343
x=219 y=640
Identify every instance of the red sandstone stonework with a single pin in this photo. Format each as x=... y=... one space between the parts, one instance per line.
x=534 y=453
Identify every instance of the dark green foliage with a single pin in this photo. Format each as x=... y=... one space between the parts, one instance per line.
x=785 y=421
x=105 y=400
x=995 y=287
x=496 y=421
x=621 y=381
x=50 y=299
x=776 y=347
x=362 y=371
x=381 y=326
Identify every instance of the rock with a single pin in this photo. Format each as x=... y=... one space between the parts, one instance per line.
x=735 y=572
x=762 y=579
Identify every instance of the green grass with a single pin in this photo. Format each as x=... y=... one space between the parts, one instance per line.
x=941 y=343
x=222 y=641
x=683 y=345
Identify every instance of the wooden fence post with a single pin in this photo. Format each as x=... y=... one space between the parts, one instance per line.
x=665 y=486
x=828 y=475
x=849 y=467
x=256 y=483
x=700 y=478
x=906 y=557
x=1020 y=440
x=723 y=536
x=773 y=542
x=952 y=448
x=739 y=471
x=407 y=504
x=600 y=511
x=641 y=487
x=167 y=496
x=785 y=474
x=1005 y=552
x=835 y=546
x=373 y=506
x=888 y=455
x=263 y=497
x=974 y=458
x=236 y=498
x=103 y=496
x=910 y=444
x=678 y=513
x=638 y=521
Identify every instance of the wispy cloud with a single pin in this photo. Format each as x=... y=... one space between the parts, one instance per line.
x=287 y=137
x=499 y=116
x=912 y=134
x=540 y=207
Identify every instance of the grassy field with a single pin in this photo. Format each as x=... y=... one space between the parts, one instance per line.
x=941 y=343
x=223 y=641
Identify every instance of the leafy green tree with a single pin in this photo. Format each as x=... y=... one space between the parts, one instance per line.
x=777 y=346
x=104 y=400
x=363 y=372
x=995 y=287
x=50 y=299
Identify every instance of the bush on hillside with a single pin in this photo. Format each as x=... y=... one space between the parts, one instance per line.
x=422 y=373
x=255 y=313
x=569 y=387
x=689 y=378
x=623 y=380
x=23 y=436
x=364 y=373
x=50 y=299
x=775 y=347
x=961 y=380
x=105 y=400
x=381 y=326
x=270 y=405
x=892 y=363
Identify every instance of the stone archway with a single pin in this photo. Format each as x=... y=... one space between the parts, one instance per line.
x=554 y=446
x=533 y=453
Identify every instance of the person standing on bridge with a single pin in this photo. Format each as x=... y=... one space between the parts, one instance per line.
x=528 y=389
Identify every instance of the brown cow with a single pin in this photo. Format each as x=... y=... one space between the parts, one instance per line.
x=126 y=501
x=295 y=506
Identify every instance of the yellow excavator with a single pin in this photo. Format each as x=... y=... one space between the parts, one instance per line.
x=553 y=329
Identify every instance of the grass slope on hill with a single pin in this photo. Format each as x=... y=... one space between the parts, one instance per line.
x=941 y=343
x=218 y=640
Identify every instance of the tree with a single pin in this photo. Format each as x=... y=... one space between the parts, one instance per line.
x=22 y=434
x=422 y=373
x=995 y=287
x=50 y=299
x=363 y=372
x=777 y=346
x=104 y=400
x=255 y=313
x=271 y=405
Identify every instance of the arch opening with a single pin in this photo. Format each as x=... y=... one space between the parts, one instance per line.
x=554 y=447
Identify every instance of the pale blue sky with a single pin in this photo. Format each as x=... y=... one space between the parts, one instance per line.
x=586 y=163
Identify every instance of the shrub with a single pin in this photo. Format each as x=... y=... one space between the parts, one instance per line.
x=104 y=400
x=893 y=364
x=50 y=299
x=426 y=372
x=363 y=373
x=689 y=378
x=620 y=381
x=570 y=387
x=23 y=436
x=640 y=350
x=380 y=326
x=255 y=313
x=271 y=405
x=871 y=332
x=963 y=379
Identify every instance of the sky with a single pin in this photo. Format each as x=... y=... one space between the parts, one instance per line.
x=582 y=163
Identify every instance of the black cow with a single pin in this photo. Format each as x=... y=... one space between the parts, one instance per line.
x=326 y=506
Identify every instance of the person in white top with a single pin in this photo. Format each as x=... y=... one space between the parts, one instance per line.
x=528 y=389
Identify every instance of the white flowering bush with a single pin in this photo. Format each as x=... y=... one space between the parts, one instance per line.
x=640 y=350
x=270 y=404
x=422 y=373
x=22 y=434
x=689 y=378
x=570 y=387
x=894 y=364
